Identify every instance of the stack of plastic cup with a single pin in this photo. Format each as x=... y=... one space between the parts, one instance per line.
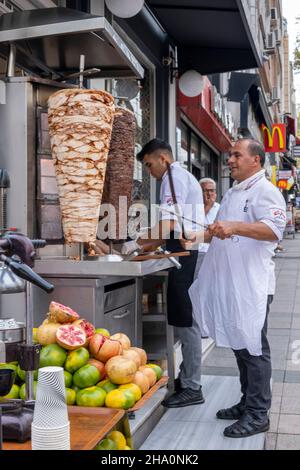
x=50 y=429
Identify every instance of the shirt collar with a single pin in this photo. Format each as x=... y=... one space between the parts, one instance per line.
x=174 y=164
x=249 y=182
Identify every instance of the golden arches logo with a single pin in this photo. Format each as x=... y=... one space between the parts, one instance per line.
x=278 y=129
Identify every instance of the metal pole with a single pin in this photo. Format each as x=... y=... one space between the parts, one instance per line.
x=81 y=69
x=11 y=64
x=1 y=434
x=29 y=327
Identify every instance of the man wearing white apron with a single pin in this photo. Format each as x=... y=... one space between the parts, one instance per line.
x=230 y=297
x=180 y=198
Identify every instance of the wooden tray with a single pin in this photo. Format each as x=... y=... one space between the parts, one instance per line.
x=87 y=427
x=160 y=256
x=160 y=383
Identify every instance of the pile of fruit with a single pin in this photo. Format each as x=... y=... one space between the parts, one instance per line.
x=115 y=440
x=99 y=369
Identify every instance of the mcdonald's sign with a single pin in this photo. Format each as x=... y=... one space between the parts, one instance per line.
x=282 y=184
x=274 y=141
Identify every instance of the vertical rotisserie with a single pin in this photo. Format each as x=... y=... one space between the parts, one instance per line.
x=80 y=126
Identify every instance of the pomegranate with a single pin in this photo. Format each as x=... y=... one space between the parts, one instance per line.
x=70 y=337
x=100 y=366
x=87 y=327
x=143 y=355
x=59 y=313
x=123 y=339
x=120 y=370
x=103 y=348
x=46 y=333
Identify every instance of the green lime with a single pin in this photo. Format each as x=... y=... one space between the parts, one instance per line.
x=91 y=396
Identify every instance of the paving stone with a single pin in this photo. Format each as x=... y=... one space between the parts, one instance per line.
x=270 y=442
x=295 y=323
x=279 y=332
x=287 y=442
x=278 y=375
x=289 y=424
x=279 y=363
x=230 y=371
x=293 y=365
x=277 y=388
x=274 y=420
x=290 y=405
x=276 y=403
x=280 y=323
x=292 y=376
x=290 y=389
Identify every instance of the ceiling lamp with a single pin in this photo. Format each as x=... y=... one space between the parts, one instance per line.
x=124 y=8
x=191 y=83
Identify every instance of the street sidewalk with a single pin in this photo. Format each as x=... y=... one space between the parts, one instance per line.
x=284 y=338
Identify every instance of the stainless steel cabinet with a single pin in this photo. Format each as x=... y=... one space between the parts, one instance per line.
x=121 y=320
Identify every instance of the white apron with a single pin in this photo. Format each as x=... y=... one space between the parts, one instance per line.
x=230 y=295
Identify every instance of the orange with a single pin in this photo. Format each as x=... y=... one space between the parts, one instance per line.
x=118 y=438
x=134 y=388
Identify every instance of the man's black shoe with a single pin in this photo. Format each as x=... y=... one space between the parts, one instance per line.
x=184 y=397
x=232 y=413
x=246 y=426
x=177 y=385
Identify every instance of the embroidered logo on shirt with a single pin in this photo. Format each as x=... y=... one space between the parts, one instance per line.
x=278 y=213
x=169 y=201
x=246 y=206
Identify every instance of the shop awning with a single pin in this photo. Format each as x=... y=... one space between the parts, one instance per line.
x=239 y=85
x=49 y=42
x=291 y=125
x=212 y=36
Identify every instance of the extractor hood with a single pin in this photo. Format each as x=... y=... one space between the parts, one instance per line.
x=49 y=42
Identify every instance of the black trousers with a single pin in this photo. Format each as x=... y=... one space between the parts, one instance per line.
x=180 y=309
x=255 y=374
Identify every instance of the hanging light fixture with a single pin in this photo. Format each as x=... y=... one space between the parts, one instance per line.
x=124 y=8
x=191 y=83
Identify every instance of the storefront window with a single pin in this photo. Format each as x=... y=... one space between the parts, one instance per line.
x=194 y=155
x=182 y=146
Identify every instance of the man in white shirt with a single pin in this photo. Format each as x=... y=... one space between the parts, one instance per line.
x=230 y=297
x=211 y=208
x=175 y=218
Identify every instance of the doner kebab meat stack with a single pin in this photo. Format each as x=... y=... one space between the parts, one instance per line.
x=80 y=126
x=119 y=171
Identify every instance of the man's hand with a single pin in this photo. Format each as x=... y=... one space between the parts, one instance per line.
x=222 y=230
x=130 y=247
x=188 y=244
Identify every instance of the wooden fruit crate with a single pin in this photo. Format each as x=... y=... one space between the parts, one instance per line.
x=88 y=426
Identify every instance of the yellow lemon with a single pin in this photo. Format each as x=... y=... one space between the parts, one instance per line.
x=118 y=438
x=34 y=337
x=134 y=388
x=14 y=392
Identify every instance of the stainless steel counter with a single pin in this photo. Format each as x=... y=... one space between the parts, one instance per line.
x=94 y=269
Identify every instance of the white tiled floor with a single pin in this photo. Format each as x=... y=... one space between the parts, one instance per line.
x=196 y=427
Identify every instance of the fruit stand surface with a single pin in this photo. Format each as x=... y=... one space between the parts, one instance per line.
x=139 y=404
x=87 y=427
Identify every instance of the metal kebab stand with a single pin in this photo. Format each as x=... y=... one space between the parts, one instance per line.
x=18 y=252
x=47 y=44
